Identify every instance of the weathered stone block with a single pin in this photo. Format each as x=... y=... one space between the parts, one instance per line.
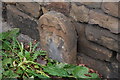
x=57 y=6
x=89 y=48
x=79 y=13
x=30 y=8
x=27 y=25
x=108 y=70
x=59 y=38
x=104 y=21
x=92 y=4
x=111 y=8
x=102 y=37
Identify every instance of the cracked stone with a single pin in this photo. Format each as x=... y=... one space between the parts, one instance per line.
x=104 y=21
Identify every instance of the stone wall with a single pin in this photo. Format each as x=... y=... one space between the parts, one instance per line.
x=95 y=23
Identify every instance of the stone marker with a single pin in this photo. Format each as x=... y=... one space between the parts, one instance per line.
x=58 y=37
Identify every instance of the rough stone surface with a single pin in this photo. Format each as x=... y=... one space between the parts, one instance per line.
x=108 y=70
x=111 y=8
x=79 y=13
x=118 y=57
x=89 y=48
x=92 y=4
x=30 y=8
x=96 y=26
x=5 y=27
x=57 y=6
x=27 y=25
x=59 y=37
x=105 y=37
x=104 y=21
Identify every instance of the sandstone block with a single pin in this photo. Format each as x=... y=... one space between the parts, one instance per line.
x=62 y=7
x=102 y=36
x=108 y=70
x=79 y=13
x=58 y=37
x=92 y=4
x=104 y=21
x=27 y=25
x=30 y=8
x=111 y=8
x=89 y=48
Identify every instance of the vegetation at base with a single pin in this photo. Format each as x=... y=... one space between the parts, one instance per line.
x=23 y=61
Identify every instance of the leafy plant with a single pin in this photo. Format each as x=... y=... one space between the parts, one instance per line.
x=21 y=62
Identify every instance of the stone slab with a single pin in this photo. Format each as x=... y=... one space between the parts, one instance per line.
x=27 y=25
x=30 y=8
x=102 y=36
x=111 y=8
x=104 y=21
x=79 y=13
x=89 y=48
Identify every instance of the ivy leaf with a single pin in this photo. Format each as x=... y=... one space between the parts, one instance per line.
x=94 y=75
x=80 y=71
x=56 y=71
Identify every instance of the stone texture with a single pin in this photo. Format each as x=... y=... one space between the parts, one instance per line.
x=59 y=37
x=102 y=36
x=97 y=42
x=79 y=13
x=92 y=4
x=30 y=8
x=27 y=25
x=89 y=48
x=110 y=8
x=118 y=57
x=57 y=6
x=108 y=70
x=104 y=21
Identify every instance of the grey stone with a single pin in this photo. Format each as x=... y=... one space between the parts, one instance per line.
x=104 y=21
x=92 y=4
x=89 y=48
x=30 y=8
x=27 y=25
x=102 y=36
x=24 y=38
x=62 y=7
